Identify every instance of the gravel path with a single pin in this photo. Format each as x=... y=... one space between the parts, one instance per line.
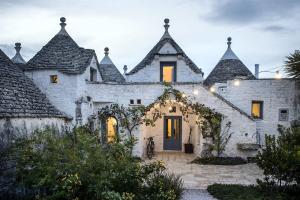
x=197 y=195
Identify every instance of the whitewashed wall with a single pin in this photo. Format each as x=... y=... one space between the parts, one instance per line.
x=17 y=127
x=69 y=89
x=243 y=128
x=275 y=94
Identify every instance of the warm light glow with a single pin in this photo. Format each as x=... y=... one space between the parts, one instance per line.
x=168 y=73
x=236 y=82
x=277 y=75
x=183 y=95
x=170 y=108
x=169 y=129
x=196 y=92
x=256 y=111
x=212 y=89
x=111 y=129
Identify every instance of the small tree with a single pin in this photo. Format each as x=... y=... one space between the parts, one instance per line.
x=129 y=118
x=280 y=159
x=293 y=65
x=221 y=138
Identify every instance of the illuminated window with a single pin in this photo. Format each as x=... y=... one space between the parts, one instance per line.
x=283 y=115
x=53 y=79
x=257 y=109
x=168 y=72
x=111 y=129
x=169 y=128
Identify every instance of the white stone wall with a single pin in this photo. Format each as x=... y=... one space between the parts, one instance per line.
x=275 y=94
x=243 y=128
x=17 y=127
x=151 y=73
x=69 y=89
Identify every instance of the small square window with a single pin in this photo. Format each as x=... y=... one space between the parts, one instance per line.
x=139 y=101
x=131 y=101
x=53 y=79
x=257 y=109
x=283 y=115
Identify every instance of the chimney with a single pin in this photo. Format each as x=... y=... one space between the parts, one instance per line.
x=256 y=71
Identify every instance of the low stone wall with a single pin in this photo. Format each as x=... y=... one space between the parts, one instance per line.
x=12 y=128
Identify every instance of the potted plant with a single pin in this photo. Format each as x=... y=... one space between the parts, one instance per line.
x=188 y=147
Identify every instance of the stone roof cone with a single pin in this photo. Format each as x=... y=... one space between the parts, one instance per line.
x=18 y=59
x=228 y=68
x=108 y=70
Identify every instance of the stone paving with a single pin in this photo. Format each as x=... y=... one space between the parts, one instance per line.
x=197 y=195
x=197 y=176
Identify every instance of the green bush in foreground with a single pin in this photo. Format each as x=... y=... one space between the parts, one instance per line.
x=280 y=159
x=240 y=192
x=75 y=166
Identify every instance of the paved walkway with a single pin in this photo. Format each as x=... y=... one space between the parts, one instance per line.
x=197 y=195
x=197 y=176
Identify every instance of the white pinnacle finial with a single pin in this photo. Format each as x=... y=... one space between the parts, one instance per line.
x=229 y=54
x=63 y=25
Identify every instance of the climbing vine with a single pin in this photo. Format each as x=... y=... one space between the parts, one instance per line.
x=130 y=118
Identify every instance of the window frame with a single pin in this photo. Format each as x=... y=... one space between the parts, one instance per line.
x=261 y=110
x=93 y=74
x=51 y=78
x=287 y=112
x=169 y=63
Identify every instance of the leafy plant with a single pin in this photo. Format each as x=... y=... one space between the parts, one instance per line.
x=292 y=65
x=280 y=159
x=75 y=166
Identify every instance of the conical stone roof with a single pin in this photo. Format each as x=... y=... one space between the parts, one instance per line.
x=108 y=70
x=62 y=53
x=228 y=68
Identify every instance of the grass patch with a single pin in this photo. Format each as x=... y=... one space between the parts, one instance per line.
x=220 y=161
x=240 y=192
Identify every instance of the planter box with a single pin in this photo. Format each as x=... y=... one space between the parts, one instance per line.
x=188 y=148
x=248 y=146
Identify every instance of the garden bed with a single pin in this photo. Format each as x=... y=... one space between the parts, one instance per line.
x=241 y=192
x=220 y=161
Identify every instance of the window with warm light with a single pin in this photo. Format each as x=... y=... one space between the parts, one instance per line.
x=53 y=79
x=111 y=129
x=168 y=72
x=257 y=109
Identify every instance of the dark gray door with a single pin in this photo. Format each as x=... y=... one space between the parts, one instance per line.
x=172 y=133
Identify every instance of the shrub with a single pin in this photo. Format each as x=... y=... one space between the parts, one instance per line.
x=75 y=166
x=280 y=159
x=220 y=161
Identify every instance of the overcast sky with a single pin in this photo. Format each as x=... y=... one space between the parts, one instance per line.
x=262 y=31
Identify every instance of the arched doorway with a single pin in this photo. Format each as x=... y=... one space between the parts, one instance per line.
x=111 y=129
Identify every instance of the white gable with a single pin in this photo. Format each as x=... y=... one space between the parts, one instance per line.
x=167 y=49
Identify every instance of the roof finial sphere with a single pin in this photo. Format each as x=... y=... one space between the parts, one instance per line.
x=62 y=19
x=166 y=21
x=18 y=44
x=229 y=39
x=106 y=50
